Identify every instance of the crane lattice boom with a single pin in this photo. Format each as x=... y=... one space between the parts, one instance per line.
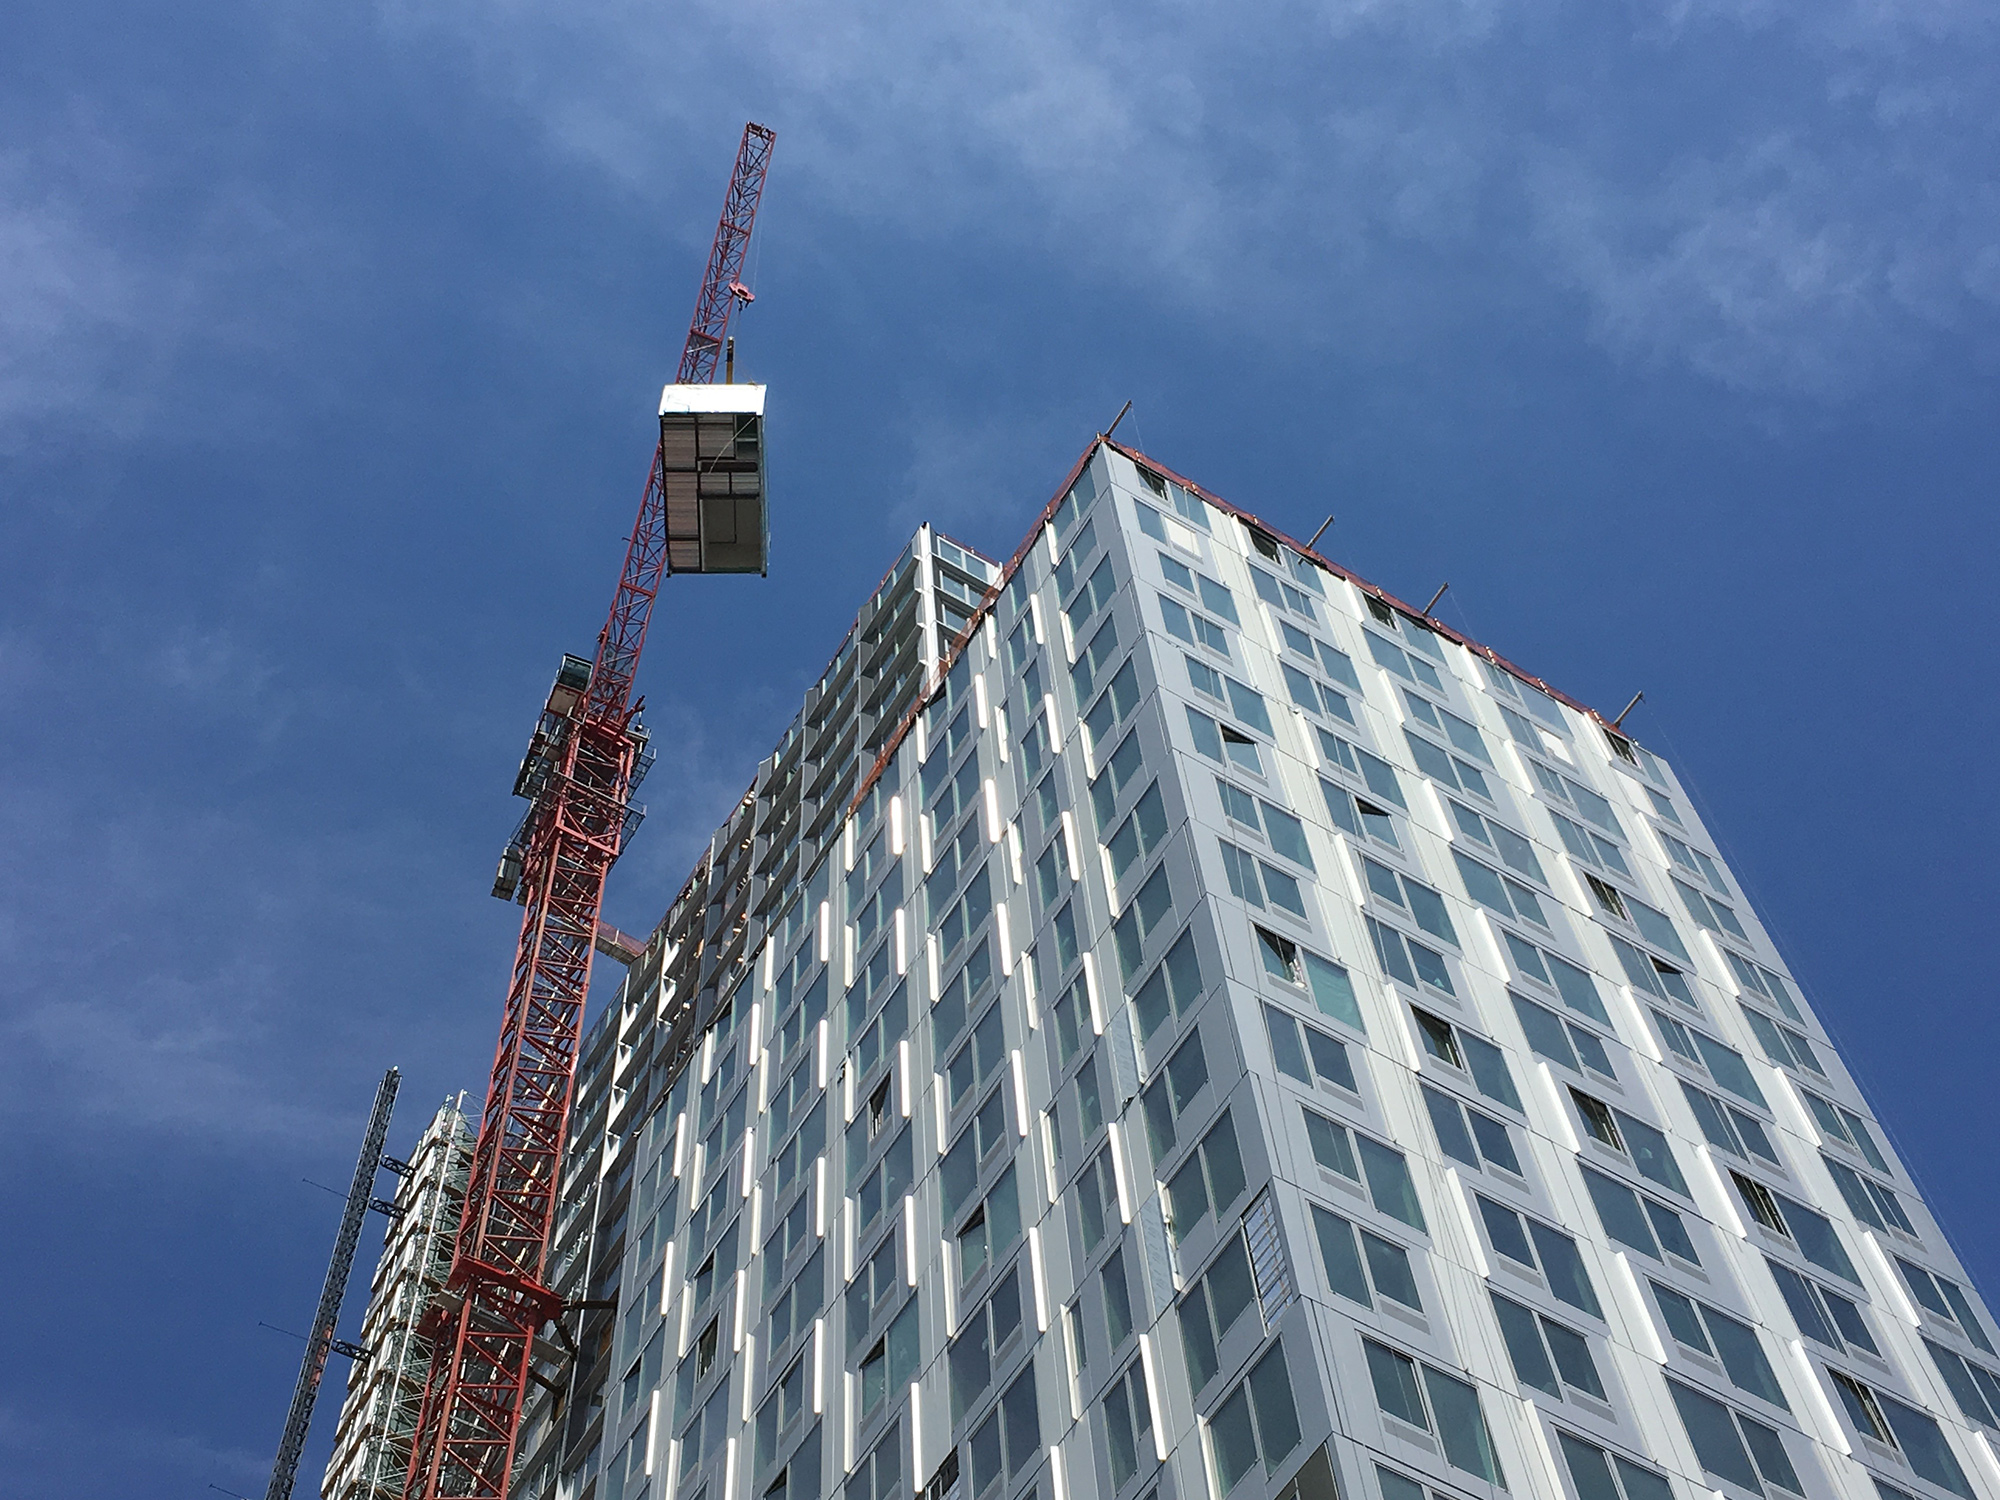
x=722 y=288
x=582 y=765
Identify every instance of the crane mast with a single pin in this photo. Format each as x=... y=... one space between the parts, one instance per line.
x=584 y=759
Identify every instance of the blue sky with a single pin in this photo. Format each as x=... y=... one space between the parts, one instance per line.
x=329 y=335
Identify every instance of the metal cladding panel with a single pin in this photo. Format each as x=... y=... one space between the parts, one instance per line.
x=712 y=472
x=746 y=399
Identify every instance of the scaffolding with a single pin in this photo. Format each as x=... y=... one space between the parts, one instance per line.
x=385 y=1387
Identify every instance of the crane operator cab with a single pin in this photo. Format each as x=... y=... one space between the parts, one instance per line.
x=712 y=470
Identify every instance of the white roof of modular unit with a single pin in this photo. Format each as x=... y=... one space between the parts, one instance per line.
x=712 y=398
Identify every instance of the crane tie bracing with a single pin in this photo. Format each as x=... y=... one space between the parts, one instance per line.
x=581 y=768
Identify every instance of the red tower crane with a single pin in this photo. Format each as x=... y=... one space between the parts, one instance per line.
x=703 y=511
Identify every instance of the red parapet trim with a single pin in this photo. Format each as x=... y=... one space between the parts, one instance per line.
x=949 y=657
x=1363 y=584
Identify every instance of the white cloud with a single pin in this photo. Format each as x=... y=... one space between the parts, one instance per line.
x=1756 y=270
x=1269 y=168
x=68 y=300
x=1275 y=164
x=122 y=264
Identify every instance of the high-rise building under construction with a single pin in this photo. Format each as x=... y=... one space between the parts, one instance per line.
x=385 y=1384
x=1169 y=1021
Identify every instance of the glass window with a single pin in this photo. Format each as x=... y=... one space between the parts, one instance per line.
x=1210 y=1307
x=1880 y=1416
x=1357 y=817
x=1810 y=1230
x=1306 y=1053
x=1114 y=704
x=1120 y=772
x=1728 y=1128
x=1546 y=1354
x=1412 y=897
x=1172 y=1091
x=1443 y=767
x=1638 y=1222
x=1410 y=961
x=1376 y=773
x=1560 y=1041
x=1714 y=1333
x=1646 y=1146
x=1361 y=1265
x=1822 y=1314
x=1257 y=883
x=1257 y=1419
x=1867 y=1199
x=1531 y=1243
x=1127 y=1415
x=1360 y=1158
x=1975 y=1388
x=1140 y=834
x=1514 y=851
x=1599 y=1475
x=1726 y=1442
x=1281 y=595
x=1434 y=1401
x=1499 y=893
x=878 y=1476
x=1314 y=696
x=1469 y=1136
x=1587 y=847
x=1211 y=1177
x=1144 y=915
x=1576 y=986
x=1192 y=626
x=1224 y=744
x=1172 y=987
x=1410 y=668
x=989 y=1330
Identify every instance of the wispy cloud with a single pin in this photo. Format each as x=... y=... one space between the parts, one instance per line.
x=68 y=299
x=129 y=254
x=127 y=1006
x=1806 y=237
x=157 y=897
x=1823 y=214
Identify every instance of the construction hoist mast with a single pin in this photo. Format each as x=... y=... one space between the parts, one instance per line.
x=703 y=512
x=321 y=1341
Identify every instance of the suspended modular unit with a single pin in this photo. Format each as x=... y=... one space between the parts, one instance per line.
x=712 y=469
